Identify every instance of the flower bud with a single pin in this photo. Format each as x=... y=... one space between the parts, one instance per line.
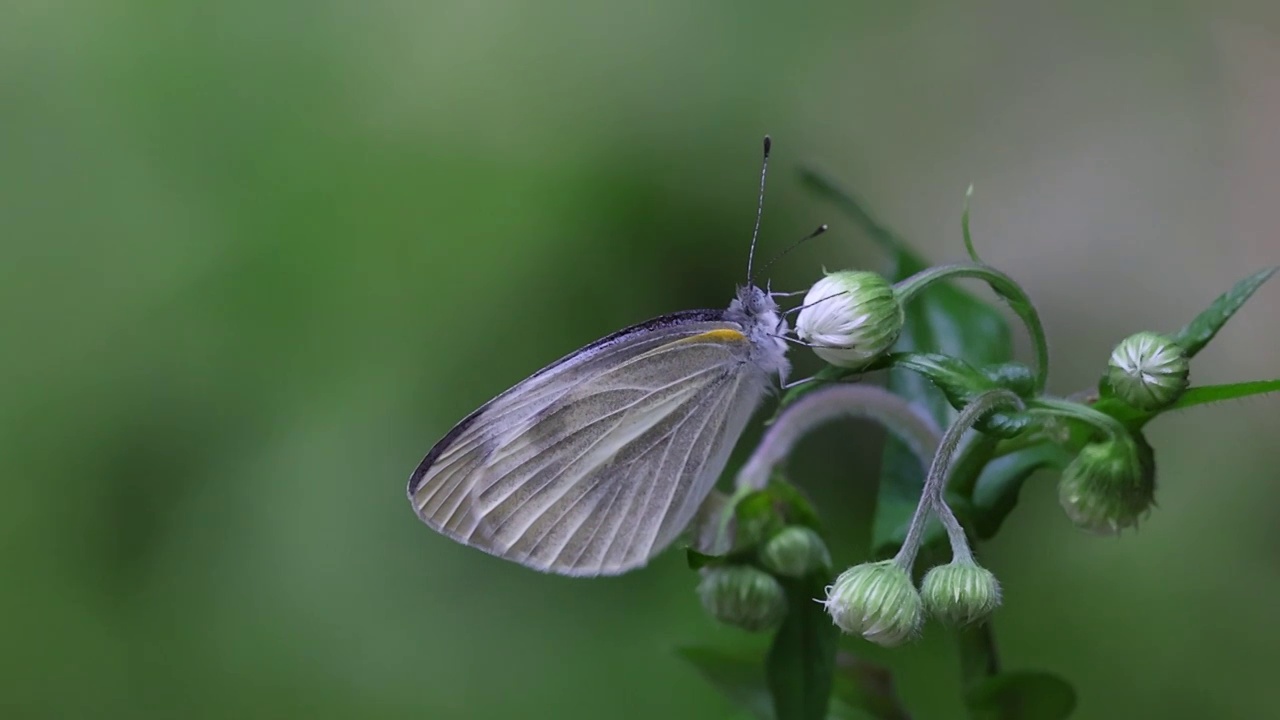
x=743 y=596
x=795 y=552
x=852 y=317
x=960 y=593
x=1109 y=485
x=877 y=601
x=1148 y=370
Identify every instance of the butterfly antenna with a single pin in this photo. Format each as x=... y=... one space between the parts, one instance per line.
x=821 y=229
x=815 y=302
x=755 y=233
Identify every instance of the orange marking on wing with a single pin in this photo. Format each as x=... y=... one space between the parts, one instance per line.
x=723 y=335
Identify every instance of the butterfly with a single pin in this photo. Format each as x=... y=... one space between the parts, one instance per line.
x=600 y=460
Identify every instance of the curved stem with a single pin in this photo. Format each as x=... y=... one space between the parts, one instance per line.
x=832 y=403
x=960 y=550
x=936 y=480
x=964 y=226
x=1005 y=287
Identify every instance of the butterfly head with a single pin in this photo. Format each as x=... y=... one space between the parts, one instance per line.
x=757 y=313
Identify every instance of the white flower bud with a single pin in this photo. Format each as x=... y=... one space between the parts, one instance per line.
x=851 y=318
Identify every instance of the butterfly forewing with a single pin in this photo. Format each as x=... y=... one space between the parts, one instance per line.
x=600 y=460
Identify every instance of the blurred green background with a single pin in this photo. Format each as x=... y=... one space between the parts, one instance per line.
x=259 y=256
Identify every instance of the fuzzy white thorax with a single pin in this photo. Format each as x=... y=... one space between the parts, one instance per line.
x=764 y=327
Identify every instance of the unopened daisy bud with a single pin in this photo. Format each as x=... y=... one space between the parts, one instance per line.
x=1109 y=486
x=795 y=552
x=877 y=601
x=1148 y=370
x=743 y=596
x=960 y=592
x=852 y=317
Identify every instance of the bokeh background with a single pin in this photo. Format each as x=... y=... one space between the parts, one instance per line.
x=258 y=256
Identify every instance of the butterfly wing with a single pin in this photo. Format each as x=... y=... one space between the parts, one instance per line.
x=597 y=462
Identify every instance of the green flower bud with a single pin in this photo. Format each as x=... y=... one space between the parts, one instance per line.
x=960 y=593
x=795 y=552
x=1148 y=371
x=877 y=601
x=743 y=596
x=852 y=317
x=1110 y=485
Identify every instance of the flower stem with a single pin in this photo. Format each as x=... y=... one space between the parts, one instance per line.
x=936 y=479
x=834 y=402
x=799 y=418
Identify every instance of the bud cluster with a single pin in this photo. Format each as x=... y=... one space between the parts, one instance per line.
x=747 y=597
x=880 y=602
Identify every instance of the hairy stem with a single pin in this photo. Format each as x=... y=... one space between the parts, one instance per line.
x=936 y=479
x=830 y=403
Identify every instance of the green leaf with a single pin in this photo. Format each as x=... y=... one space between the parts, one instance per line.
x=1218 y=393
x=941 y=319
x=698 y=560
x=866 y=686
x=1012 y=376
x=960 y=383
x=737 y=674
x=1135 y=419
x=996 y=492
x=1021 y=696
x=1200 y=331
x=801 y=660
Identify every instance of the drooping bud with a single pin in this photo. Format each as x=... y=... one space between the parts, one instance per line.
x=1148 y=370
x=795 y=552
x=743 y=596
x=851 y=318
x=877 y=601
x=960 y=592
x=1110 y=485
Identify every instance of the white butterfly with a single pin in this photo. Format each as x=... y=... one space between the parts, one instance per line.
x=600 y=460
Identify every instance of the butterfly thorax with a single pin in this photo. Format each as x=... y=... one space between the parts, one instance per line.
x=764 y=327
